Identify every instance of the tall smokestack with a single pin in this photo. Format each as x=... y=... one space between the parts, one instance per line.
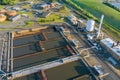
x=117 y=43
x=101 y=21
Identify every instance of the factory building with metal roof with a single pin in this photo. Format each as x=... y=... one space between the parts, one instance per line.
x=112 y=46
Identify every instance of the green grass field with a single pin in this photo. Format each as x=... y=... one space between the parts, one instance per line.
x=1 y=7
x=95 y=7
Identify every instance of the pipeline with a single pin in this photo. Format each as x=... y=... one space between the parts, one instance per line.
x=44 y=77
x=41 y=46
x=69 y=49
x=44 y=36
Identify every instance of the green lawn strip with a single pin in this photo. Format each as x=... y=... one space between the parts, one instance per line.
x=1 y=6
x=27 y=24
x=112 y=6
x=27 y=6
x=2 y=29
x=29 y=14
x=51 y=18
x=5 y=22
x=64 y=10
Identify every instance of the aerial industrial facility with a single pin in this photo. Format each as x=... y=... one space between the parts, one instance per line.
x=50 y=40
x=112 y=46
x=41 y=49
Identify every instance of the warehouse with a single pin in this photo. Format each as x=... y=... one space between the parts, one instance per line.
x=112 y=46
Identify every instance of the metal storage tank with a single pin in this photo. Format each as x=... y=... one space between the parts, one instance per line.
x=2 y=11
x=90 y=25
x=2 y=17
x=11 y=13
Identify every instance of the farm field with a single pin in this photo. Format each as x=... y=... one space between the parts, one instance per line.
x=96 y=7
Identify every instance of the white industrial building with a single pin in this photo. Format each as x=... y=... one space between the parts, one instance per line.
x=72 y=19
x=90 y=25
x=45 y=6
x=14 y=18
x=116 y=4
x=112 y=46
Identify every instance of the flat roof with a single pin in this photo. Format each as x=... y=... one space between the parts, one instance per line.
x=109 y=42
x=44 y=5
x=116 y=4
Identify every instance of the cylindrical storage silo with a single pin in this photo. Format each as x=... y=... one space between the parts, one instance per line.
x=11 y=13
x=2 y=17
x=90 y=25
x=2 y=11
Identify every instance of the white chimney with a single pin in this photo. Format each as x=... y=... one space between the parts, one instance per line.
x=101 y=21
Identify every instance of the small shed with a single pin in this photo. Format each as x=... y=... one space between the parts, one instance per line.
x=45 y=6
x=45 y=14
x=14 y=18
x=2 y=11
x=72 y=19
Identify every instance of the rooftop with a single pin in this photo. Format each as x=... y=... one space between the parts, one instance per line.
x=44 y=5
x=71 y=16
x=109 y=42
x=117 y=5
x=45 y=14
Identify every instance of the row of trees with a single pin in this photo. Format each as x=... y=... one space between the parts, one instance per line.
x=9 y=2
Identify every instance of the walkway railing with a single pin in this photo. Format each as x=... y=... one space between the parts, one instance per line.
x=44 y=66
x=2 y=52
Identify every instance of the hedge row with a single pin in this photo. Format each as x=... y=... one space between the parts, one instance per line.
x=84 y=13
x=110 y=5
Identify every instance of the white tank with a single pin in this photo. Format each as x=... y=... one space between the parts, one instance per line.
x=90 y=25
